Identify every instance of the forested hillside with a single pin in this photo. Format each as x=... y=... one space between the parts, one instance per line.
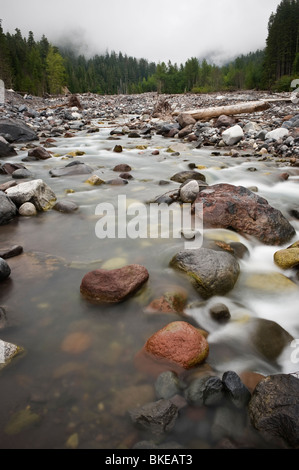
x=39 y=67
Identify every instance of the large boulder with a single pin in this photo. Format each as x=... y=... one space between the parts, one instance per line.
x=37 y=192
x=16 y=131
x=211 y=272
x=113 y=286
x=274 y=408
x=180 y=344
x=8 y=210
x=239 y=209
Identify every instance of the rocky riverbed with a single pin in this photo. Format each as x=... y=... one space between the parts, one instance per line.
x=182 y=351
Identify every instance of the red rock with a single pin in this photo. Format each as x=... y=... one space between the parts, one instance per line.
x=237 y=208
x=122 y=167
x=179 y=343
x=113 y=286
x=39 y=153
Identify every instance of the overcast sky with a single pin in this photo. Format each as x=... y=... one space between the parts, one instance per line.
x=157 y=30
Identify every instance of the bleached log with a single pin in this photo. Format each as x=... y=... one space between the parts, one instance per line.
x=241 y=108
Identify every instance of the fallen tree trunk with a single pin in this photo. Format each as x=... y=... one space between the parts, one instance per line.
x=241 y=108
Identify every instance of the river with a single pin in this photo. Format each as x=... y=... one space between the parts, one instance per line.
x=77 y=378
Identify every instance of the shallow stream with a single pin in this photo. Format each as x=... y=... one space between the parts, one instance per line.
x=78 y=376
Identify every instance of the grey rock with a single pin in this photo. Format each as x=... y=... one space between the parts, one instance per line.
x=211 y=272
x=65 y=206
x=6 y=150
x=21 y=173
x=189 y=192
x=74 y=168
x=158 y=417
x=4 y=270
x=16 y=131
x=27 y=209
x=235 y=389
x=274 y=408
x=184 y=176
x=167 y=385
x=233 y=135
x=205 y=391
x=277 y=134
x=8 y=210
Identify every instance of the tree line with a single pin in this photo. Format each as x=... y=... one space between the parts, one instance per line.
x=39 y=67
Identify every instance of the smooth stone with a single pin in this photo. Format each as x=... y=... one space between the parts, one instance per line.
x=22 y=173
x=5 y=270
x=8 y=210
x=6 y=150
x=37 y=192
x=95 y=180
x=65 y=206
x=287 y=259
x=123 y=167
x=27 y=209
x=39 y=153
x=157 y=417
x=179 y=343
x=11 y=252
x=211 y=272
x=233 y=135
x=113 y=286
x=189 y=192
x=184 y=176
x=72 y=169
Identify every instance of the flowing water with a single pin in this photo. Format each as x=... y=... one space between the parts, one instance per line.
x=78 y=376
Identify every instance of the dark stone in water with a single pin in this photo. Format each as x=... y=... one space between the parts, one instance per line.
x=6 y=150
x=235 y=390
x=8 y=210
x=113 y=286
x=158 y=417
x=274 y=408
x=65 y=206
x=184 y=176
x=73 y=168
x=16 y=131
x=4 y=270
x=11 y=252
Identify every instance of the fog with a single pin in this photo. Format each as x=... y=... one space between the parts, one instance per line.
x=157 y=30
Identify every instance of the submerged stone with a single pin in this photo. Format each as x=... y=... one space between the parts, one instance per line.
x=113 y=286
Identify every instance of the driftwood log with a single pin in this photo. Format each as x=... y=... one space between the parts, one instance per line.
x=241 y=108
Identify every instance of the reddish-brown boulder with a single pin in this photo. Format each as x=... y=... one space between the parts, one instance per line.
x=178 y=343
x=239 y=209
x=113 y=286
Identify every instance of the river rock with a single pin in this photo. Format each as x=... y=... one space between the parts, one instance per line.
x=277 y=134
x=37 y=192
x=287 y=259
x=7 y=352
x=11 y=252
x=8 y=210
x=268 y=338
x=113 y=286
x=233 y=135
x=185 y=120
x=6 y=150
x=211 y=272
x=122 y=167
x=39 y=153
x=27 y=209
x=16 y=131
x=274 y=408
x=21 y=173
x=73 y=168
x=157 y=417
x=220 y=313
x=235 y=390
x=168 y=385
x=184 y=176
x=239 y=209
x=178 y=343
x=205 y=391
x=65 y=206
x=4 y=270
x=189 y=191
